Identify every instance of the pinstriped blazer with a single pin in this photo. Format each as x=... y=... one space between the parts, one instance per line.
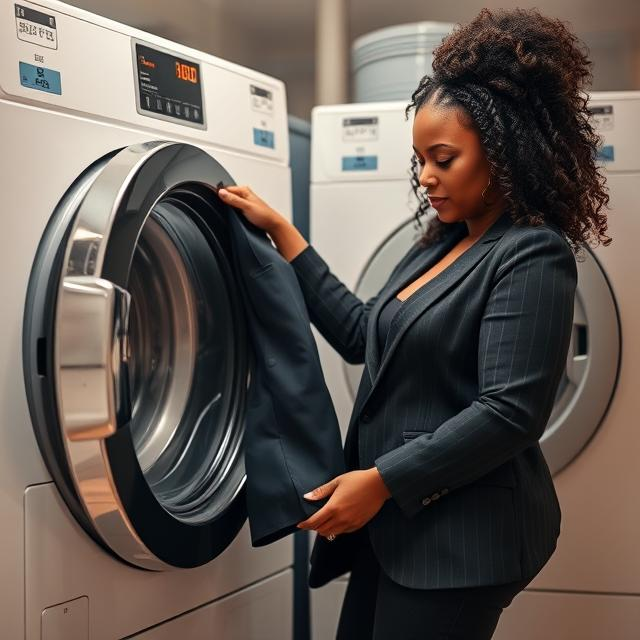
x=452 y=410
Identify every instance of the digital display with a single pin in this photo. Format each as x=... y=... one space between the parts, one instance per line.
x=40 y=78
x=262 y=93
x=359 y=129
x=169 y=86
x=187 y=72
x=601 y=110
x=359 y=122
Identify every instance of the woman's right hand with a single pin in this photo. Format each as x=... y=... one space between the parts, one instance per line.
x=256 y=210
x=285 y=236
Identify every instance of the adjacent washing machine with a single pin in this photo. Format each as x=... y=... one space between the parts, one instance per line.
x=124 y=346
x=362 y=222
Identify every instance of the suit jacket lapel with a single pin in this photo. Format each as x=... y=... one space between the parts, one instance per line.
x=428 y=294
x=423 y=261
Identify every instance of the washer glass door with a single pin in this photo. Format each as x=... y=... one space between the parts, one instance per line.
x=136 y=359
x=183 y=354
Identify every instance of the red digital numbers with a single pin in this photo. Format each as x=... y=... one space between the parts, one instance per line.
x=186 y=72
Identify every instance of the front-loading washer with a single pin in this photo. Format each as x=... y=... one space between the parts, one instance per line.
x=124 y=348
x=362 y=223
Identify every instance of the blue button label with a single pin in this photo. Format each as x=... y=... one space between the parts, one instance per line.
x=359 y=163
x=606 y=153
x=264 y=138
x=40 y=78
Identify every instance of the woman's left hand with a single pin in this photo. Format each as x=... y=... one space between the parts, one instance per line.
x=356 y=497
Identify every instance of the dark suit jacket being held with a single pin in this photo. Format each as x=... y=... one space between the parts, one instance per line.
x=292 y=439
x=452 y=410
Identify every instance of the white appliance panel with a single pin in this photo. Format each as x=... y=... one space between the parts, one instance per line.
x=98 y=79
x=62 y=563
x=360 y=143
x=254 y=612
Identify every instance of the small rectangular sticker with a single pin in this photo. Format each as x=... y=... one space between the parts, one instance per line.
x=606 y=153
x=360 y=129
x=359 y=163
x=603 y=116
x=36 y=27
x=264 y=138
x=40 y=78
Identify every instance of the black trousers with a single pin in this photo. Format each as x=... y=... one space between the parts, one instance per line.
x=376 y=608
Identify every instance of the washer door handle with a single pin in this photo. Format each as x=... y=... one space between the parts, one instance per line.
x=92 y=358
x=578 y=355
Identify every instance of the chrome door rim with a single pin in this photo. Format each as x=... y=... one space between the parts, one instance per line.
x=116 y=197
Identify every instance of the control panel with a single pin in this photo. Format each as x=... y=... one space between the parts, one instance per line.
x=62 y=58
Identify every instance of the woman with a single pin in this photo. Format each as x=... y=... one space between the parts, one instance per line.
x=465 y=345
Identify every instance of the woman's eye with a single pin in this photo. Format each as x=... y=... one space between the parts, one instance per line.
x=444 y=163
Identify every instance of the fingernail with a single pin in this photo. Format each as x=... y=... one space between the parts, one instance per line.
x=307 y=495
x=222 y=192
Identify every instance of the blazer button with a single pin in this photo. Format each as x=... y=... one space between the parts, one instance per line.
x=366 y=417
x=426 y=501
x=444 y=492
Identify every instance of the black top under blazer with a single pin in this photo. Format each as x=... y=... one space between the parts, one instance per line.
x=452 y=410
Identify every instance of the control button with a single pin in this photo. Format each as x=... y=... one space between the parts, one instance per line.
x=147 y=101
x=426 y=501
x=196 y=114
x=187 y=112
x=178 y=110
x=159 y=105
x=167 y=107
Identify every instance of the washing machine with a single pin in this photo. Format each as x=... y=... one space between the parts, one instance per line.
x=362 y=222
x=124 y=346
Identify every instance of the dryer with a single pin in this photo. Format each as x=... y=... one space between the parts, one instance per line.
x=124 y=348
x=362 y=222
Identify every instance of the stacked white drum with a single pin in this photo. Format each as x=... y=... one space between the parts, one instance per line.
x=387 y=64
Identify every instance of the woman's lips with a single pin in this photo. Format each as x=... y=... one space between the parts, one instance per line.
x=436 y=202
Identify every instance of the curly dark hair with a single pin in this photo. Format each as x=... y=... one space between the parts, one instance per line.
x=518 y=78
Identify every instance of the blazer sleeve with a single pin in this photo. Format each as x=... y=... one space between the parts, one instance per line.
x=523 y=343
x=340 y=316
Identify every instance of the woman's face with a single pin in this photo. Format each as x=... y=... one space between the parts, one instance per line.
x=452 y=164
